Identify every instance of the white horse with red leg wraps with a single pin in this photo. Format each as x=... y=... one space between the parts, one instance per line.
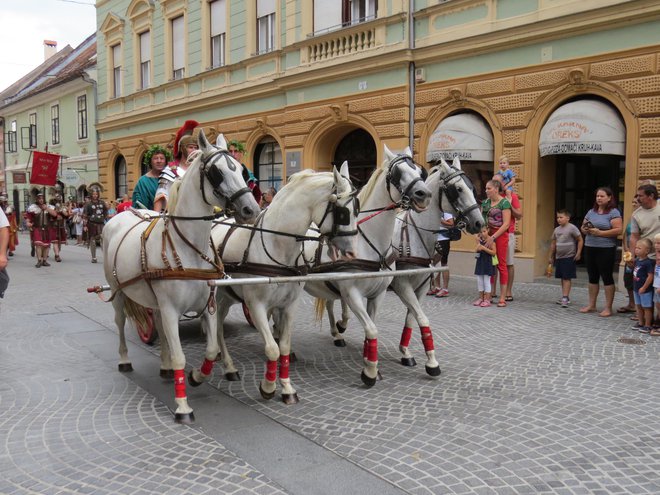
x=415 y=235
x=273 y=248
x=164 y=263
x=398 y=182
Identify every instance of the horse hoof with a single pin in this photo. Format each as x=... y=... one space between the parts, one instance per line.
x=184 y=418
x=340 y=343
x=369 y=382
x=410 y=362
x=167 y=374
x=340 y=328
x=191 y=380
x=233 y=376
x=266 y=395
x=293 y=358
x=125 y=367
x=433 y=371
x=289 y=399
x=379 y=377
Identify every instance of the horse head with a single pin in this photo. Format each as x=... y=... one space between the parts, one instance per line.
x=407 y=179
x=456 y=195
x=339 y=222
x=221 y=178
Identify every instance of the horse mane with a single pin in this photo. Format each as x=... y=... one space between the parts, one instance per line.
x=173 y=195
x=307 y=176
x=369 y=187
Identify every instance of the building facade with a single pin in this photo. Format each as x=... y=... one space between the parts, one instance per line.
x=52 y=109
x=569 y=91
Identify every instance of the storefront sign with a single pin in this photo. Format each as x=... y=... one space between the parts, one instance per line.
x=465 y=136
x=71 y=178
x=19 y=177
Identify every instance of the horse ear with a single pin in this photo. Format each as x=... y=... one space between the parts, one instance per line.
x=221 y=142
x=408 y=151
x=456 y=163
x=202 y=142
x=344 y=170
x=388 y=154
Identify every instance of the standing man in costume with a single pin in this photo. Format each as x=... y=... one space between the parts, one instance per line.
x=185 y=144
x=10 y=213
x=4 y=243
x=37 y=221
x=57 y=225
x=94 y=216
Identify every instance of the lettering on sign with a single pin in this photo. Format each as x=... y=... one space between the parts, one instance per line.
x=572 y=147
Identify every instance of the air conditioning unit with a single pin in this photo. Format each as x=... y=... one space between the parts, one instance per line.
x=420 y=75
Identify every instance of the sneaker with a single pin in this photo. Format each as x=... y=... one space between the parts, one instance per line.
x=485 y=304
x=433 y=291
x=477 y=302
x=93 y=260
x=45 y=263
x=565 y=301
x=637 y=327
x=644 y=330
x=442 y=293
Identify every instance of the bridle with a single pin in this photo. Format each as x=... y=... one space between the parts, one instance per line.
x=341 y=215
x=211 y=172
x=449 y=186
x=393 y=177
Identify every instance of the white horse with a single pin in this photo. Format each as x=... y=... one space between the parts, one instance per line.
x=397 y=182
x=163 y=262
x=272 y=248
x=415 y=235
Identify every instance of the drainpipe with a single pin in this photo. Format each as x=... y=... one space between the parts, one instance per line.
x=85 y=77
x=411 y=75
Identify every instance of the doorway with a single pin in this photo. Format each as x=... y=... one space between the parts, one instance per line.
x=359 y=150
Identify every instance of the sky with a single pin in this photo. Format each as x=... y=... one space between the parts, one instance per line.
x=25 y=24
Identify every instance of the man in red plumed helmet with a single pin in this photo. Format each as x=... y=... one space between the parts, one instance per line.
x=185 y=144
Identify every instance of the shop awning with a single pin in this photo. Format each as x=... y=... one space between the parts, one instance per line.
x=465 y=136
x=584 y=127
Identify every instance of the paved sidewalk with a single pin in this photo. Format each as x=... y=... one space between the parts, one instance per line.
x=533 y=398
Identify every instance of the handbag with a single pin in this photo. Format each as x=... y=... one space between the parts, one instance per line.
x=454 y=234
x=496 y=261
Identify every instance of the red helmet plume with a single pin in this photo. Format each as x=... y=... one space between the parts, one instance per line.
x=186 y=130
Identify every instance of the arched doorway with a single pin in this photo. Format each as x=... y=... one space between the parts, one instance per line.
x=359 y=150
x=468 y=136
x=121 y=184
x=583 y=145
x=268 y=163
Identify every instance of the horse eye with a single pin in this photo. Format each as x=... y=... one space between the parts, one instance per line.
x=459 y=189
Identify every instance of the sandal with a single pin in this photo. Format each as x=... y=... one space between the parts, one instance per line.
x=654 y=333
x=625 y=309
x=508 y=298
x=501 y=304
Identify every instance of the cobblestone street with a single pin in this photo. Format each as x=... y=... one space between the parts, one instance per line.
x=532 y=398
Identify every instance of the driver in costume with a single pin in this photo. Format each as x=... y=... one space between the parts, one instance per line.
x=57 y=225
x=95 y=214
x=185 y=144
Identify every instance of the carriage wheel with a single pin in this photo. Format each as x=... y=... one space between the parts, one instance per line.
x=147 y=332
x=246 y=312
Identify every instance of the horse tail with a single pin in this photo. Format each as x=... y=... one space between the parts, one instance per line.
x=136 y=312
x=319 y=308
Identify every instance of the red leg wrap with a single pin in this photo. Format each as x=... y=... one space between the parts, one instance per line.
x=207 y=367
x=180 y=384
x=427 y=338
x=271 y=371
x=405 y=336
x=365 y=349
x=284 y=367
x=371 y=347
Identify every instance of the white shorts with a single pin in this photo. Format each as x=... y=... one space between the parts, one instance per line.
x=511 y=249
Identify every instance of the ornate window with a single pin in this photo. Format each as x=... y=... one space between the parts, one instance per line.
x=121 y=186
x=82 y=116
x=116 y=70
x=178 y=27
x=268 y=158
x=265 y=26
x=329 y=16
x=145 y=59
x=218 y=32
x=112 y=29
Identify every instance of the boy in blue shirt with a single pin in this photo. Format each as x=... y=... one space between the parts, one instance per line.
x=643 y=285
x=508 y=174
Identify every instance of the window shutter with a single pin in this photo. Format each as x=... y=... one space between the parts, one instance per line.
x=218 y=17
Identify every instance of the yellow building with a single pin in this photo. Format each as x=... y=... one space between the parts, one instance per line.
x=569 y=91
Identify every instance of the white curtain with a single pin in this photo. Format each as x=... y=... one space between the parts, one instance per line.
x=326 y=15
x=178 y=46
x=218 y=17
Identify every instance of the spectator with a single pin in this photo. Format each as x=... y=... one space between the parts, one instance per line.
x=441 y=255
x=516 y=214
x=506 y=173
x=156 y=159
x=565 y=250
x=13 y=225
x=236 y=148
x=124 y=203
x=628 y=265
x=645 y=221
x=601 y=226
x=655 y=330
x=77 y=215
x=484 y=268
x=497 y=214
x=643 y=285
x=267 y=197
x=4 y=246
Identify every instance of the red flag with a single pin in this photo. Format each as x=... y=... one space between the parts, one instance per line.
x=44 y=168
